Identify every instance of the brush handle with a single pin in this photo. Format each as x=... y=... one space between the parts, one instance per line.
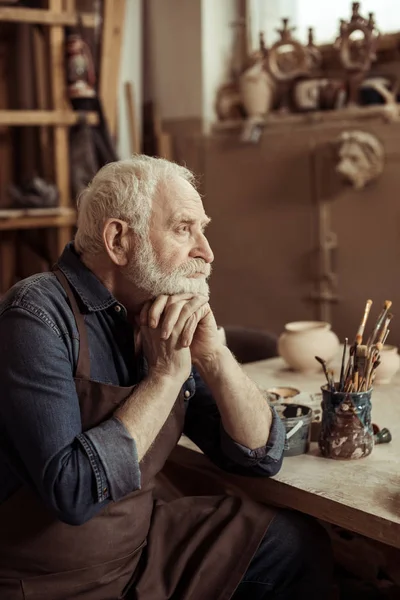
x=361 y=328
x=378 y=324
x=341 y=379
x=382 y=334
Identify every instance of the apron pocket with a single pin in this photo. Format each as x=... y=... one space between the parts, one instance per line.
x=108 y=579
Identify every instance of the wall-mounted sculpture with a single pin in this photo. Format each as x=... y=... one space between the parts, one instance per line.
x=361 y=157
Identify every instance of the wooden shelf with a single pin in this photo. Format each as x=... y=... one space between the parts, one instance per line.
x=43 y=117
x=65 y=217
x=44 y=17
x=310 y=118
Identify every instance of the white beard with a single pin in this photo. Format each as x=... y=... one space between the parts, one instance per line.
x=147 y=274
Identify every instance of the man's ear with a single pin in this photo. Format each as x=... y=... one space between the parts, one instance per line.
x=116 y=236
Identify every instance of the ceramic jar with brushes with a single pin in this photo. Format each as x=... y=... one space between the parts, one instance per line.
x=346 y=428
x=302 y=340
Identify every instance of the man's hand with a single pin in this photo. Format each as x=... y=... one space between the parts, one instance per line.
x=190 y=314
x=206 y=342
x=167 y=327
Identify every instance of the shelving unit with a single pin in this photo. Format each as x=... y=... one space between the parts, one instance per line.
x=58 y=224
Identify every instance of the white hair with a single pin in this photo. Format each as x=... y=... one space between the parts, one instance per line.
x=124 y=190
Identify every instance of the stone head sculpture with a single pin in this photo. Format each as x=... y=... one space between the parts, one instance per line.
x=361 y=157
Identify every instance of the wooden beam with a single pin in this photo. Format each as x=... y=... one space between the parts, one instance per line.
x=15 y=118
x=41 y=83
x=56 y=238
x=113 y=24
x=135 y=144
x=41 y=16
x=39 y=222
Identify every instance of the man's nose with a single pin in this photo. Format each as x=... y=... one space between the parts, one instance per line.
x=203 y=249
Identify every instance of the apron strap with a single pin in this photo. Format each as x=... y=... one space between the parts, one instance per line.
x=83 y=366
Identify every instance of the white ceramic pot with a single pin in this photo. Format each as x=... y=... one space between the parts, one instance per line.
x=302 y=341
x=390 y=363
x=256 y=91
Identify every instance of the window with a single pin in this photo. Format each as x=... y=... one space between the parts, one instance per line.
x=323 y=16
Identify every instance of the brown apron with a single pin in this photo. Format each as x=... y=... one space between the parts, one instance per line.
x=193 y=548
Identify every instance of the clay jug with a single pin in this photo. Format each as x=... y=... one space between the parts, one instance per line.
x=303 y=340
x=390 y=363
x=256 y=90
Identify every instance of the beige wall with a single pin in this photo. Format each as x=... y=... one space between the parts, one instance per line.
x=173 y=65
x=188 y=52
x=217 y=43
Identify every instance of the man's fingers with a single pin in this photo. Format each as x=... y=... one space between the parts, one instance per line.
x=191 y=324
x=171 y=317
x=156 y=310
x=189 y=330
x=160 y=304
x=144 y=313
x=193 y=307
x=177 y=315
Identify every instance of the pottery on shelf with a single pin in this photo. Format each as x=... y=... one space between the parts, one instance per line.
x=256 y=90
x=303 y=340
x=390 y=363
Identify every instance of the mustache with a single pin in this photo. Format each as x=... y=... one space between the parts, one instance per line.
x=196 y=265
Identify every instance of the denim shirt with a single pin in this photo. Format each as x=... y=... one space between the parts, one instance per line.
x=75 y=472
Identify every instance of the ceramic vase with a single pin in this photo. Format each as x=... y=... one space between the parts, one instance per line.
x=390 y=363
x=303 y=340
x=256 y=91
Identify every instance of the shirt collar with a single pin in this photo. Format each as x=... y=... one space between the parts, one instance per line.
x=94 y=295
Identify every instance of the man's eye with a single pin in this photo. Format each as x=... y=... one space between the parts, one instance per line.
x=184 y=229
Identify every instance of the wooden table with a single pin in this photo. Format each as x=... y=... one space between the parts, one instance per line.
x=359 y=495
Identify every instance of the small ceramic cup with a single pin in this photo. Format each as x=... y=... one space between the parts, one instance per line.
x=283 y=392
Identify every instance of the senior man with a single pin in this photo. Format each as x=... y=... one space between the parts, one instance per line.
x=104 y=362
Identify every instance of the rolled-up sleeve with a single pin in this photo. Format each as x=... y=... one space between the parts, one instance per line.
x=75 y=472
x=270 y=453
x=118 y=460
x=203 y=425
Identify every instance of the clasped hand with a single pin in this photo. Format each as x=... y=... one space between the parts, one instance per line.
x=176 y=332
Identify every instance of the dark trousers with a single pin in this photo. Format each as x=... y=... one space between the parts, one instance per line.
x=294 y=561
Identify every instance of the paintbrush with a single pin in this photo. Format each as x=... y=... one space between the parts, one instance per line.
x=383 y=333
x=375 y=349
x=332 y=380
x=362 y=359
x=387 y=304
x=353 y=354
x=323 y=363
x=373 y=373
x=361 y=328
x=341 y=379
x=355 y=378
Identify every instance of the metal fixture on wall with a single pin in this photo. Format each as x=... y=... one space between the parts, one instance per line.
x=326 y=293
x=359 y=157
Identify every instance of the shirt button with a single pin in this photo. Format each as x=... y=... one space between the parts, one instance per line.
x=187 y=394
x=117 y=308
